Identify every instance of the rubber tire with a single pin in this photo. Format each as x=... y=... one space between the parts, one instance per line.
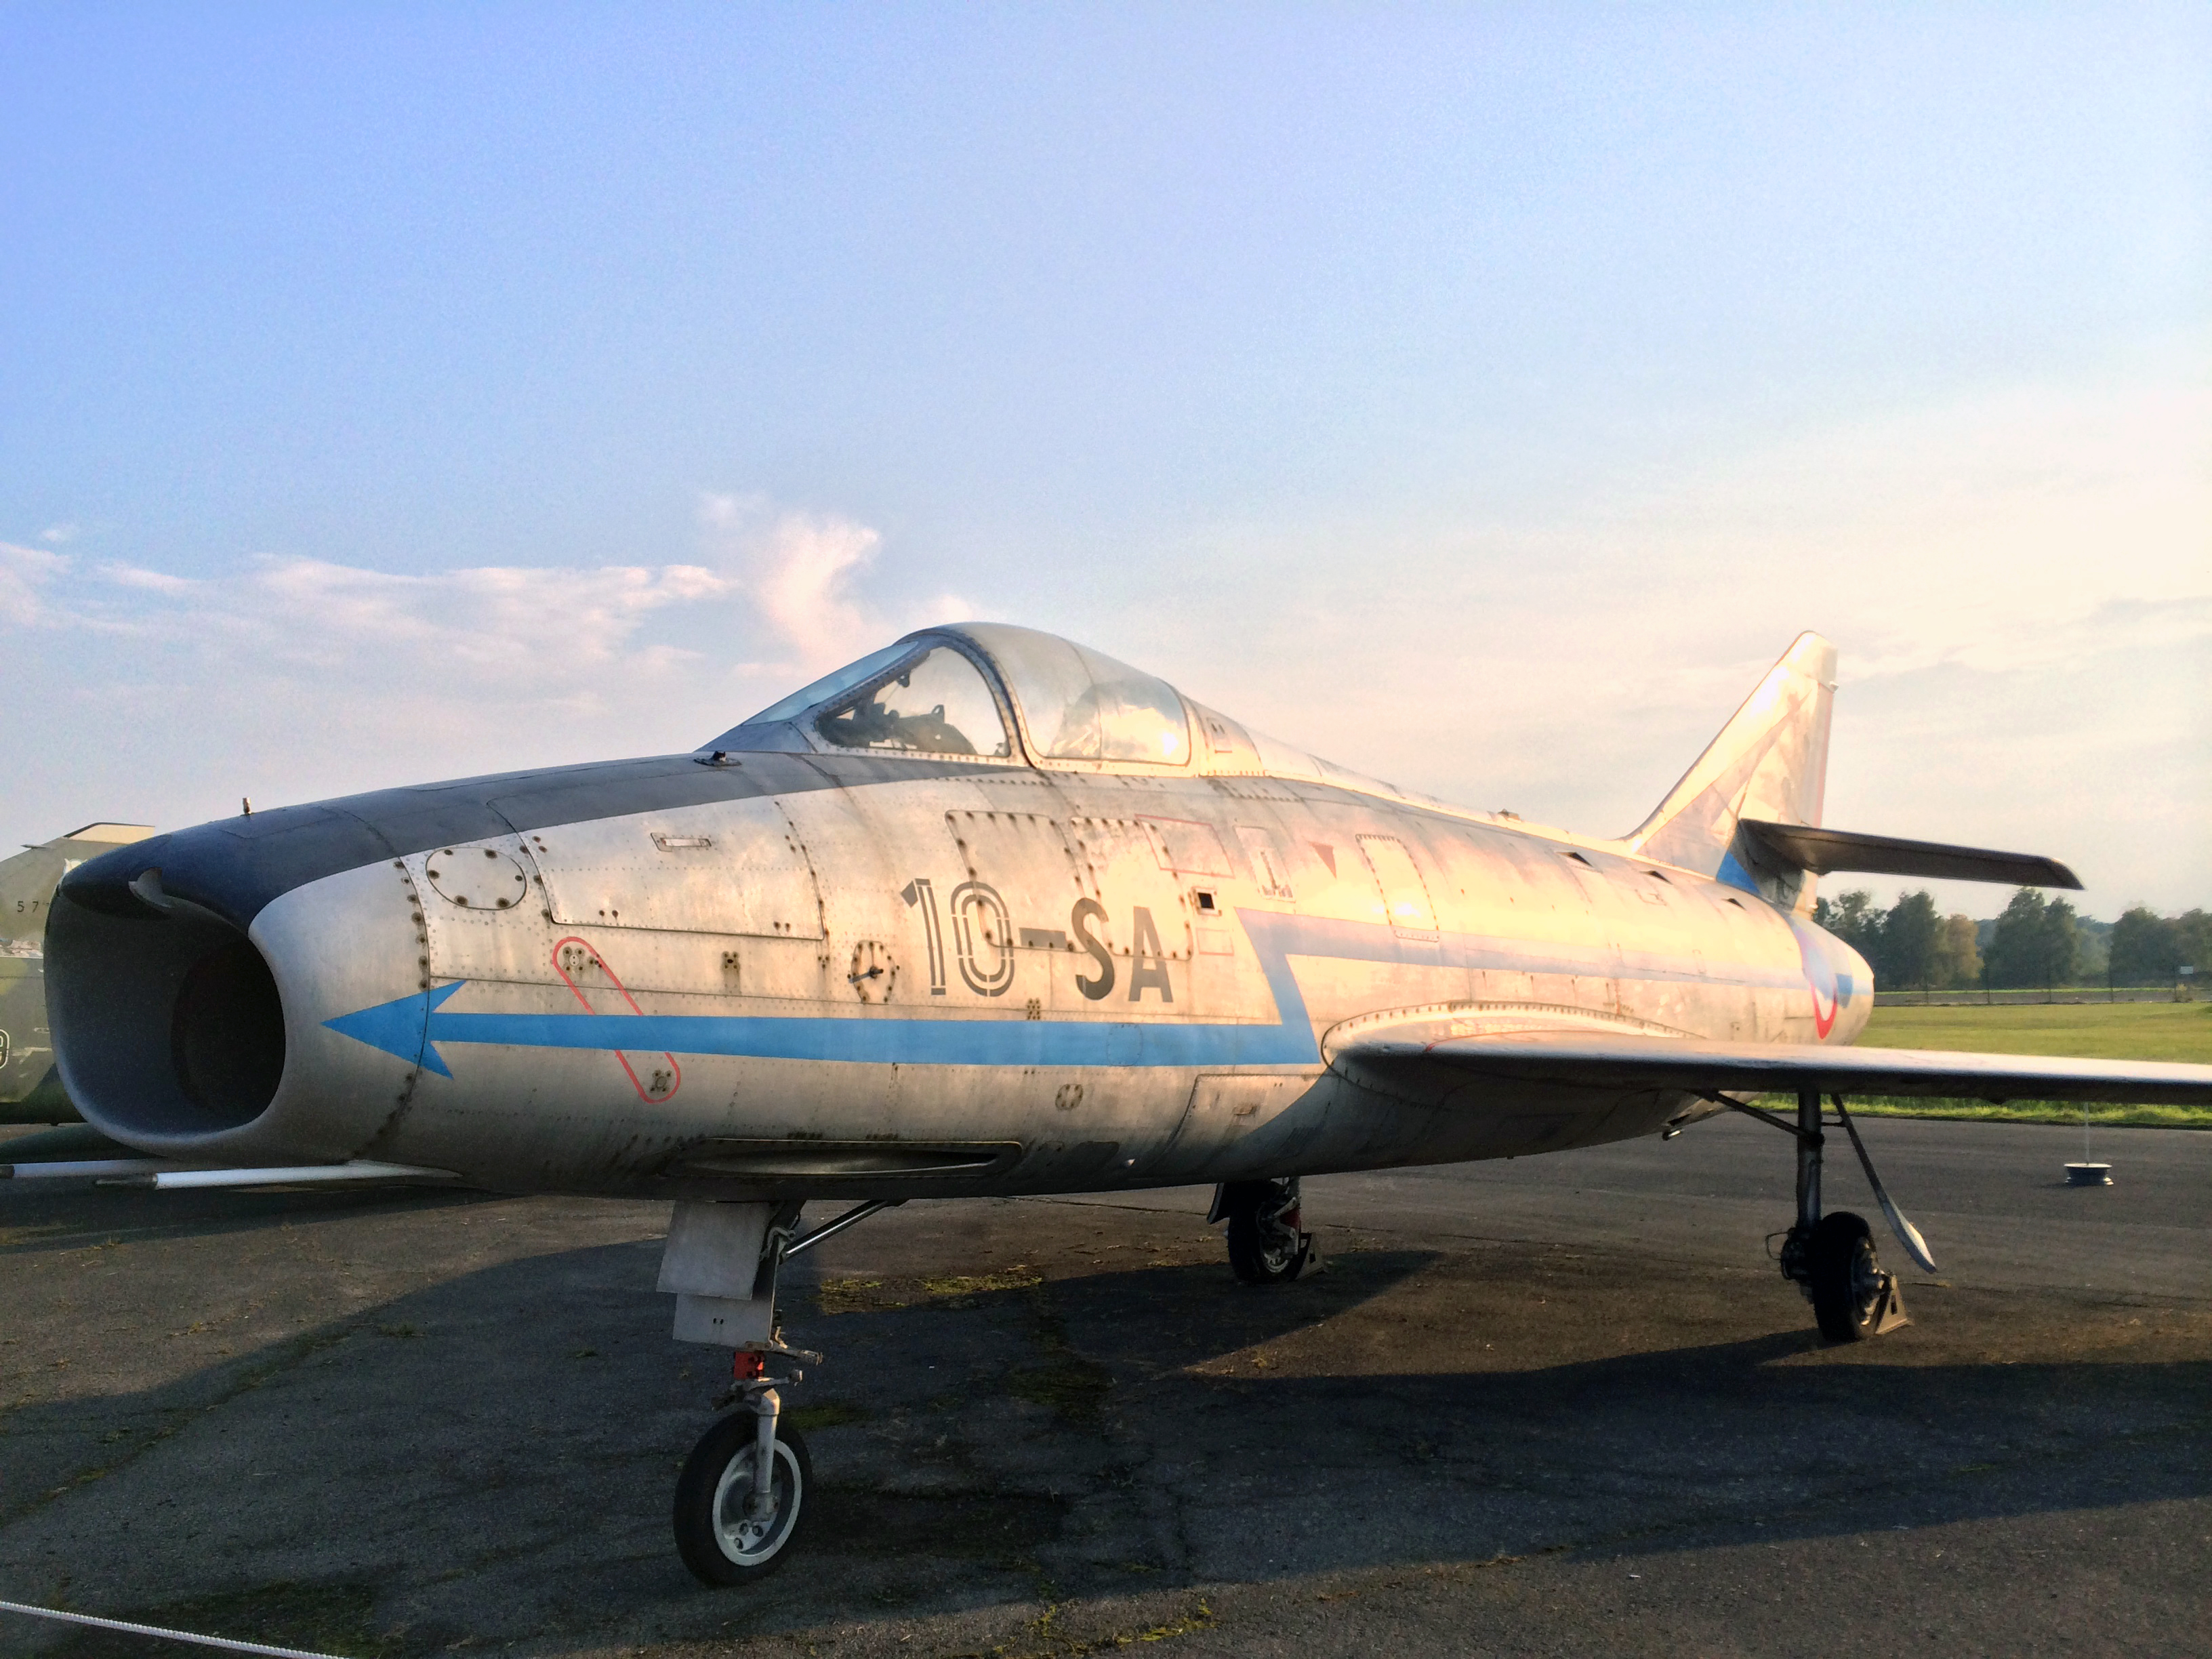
x=1839 y=1264
x=696 y=1539
x=1251 y=1256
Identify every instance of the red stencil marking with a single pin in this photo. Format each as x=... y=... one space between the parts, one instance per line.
x=592 y=954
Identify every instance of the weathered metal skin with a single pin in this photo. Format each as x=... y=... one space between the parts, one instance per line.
x=773 y=972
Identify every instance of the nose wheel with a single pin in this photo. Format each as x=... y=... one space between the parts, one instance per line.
x=1266 y=1246
x=741 y=1500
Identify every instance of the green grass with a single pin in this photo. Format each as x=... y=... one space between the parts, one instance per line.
x=2093 y=1031
x=2029 y=1111
x=1074 y=1386
x=2088 y=1030
x=825 y=1414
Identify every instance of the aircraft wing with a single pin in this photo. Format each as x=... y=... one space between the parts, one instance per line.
x=1602 y=1058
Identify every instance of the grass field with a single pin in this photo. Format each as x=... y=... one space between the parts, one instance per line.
x=2095 y=1031
x=2118 y=1031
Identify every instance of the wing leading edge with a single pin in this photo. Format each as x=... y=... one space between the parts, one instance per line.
x=1632 y=1060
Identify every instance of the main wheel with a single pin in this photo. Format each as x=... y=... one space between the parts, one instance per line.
x=718 y=1540
x=1265 y=1246
x=1845 y=1279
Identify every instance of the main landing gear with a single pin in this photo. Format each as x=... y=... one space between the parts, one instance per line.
x=741 y=1501
x=1266 y=1244
x=1831 y=1257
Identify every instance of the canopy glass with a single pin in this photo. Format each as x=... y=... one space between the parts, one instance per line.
x=924 y=696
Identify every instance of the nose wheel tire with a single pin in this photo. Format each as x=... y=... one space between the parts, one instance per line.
x=1849 y=1291
x=1265 y=1246
x=716 y=1534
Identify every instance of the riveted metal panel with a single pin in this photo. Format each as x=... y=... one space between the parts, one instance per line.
x=735 y=868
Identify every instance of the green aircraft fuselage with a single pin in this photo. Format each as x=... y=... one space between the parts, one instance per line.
x=30 y=1087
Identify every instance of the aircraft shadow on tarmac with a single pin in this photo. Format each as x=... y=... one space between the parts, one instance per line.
x=492 y=1452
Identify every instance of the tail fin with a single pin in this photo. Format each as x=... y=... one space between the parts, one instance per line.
x=29 y=879
x=1770 y=763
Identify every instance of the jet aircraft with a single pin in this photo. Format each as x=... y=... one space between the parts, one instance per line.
x=988 y=912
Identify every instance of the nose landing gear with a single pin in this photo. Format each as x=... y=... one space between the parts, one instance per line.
x=741 y=1500
x=1267 y=1245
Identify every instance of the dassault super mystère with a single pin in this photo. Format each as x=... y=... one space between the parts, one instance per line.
x=987 y=913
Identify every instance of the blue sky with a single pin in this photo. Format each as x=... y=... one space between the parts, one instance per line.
x=1478 y=395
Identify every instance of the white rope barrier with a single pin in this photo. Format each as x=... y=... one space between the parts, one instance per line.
x=156 y=1630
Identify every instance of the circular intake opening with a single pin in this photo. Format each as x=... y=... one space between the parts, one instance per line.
x=226 y=1034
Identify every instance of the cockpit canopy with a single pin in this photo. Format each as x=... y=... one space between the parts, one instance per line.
x=950 y=691
x=994 y=693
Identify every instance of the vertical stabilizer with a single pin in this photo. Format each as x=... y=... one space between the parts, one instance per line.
x=1770 y=761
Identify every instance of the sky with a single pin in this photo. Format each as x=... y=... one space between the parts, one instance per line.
x=1481 y=396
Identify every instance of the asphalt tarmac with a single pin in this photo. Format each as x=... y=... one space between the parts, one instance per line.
x=1562 y=1405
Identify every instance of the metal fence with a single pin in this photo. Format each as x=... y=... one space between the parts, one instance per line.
x=1963 y=996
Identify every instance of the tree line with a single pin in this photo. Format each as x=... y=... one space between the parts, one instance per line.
x=2033 y=943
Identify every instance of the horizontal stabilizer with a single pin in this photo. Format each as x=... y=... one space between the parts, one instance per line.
x=1823 y=851
x=1610 y=1059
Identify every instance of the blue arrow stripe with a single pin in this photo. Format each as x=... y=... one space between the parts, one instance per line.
x=412 y=1027
x=941 y=1042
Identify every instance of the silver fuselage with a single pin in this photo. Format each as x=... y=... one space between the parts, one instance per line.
x=807 y=974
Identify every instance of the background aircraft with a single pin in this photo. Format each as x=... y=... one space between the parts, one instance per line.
x=987 y=913
x=31 y=1089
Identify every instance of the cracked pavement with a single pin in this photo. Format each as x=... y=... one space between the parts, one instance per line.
x=1562 y=1405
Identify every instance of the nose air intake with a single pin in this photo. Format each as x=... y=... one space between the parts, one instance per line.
x=226 y=1034
x=167 y=1025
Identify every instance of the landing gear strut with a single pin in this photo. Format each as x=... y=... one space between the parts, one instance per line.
x=741 y=1499
x=1831 y=1258
x=1266 y=1244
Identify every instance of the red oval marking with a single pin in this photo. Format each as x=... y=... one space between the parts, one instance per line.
x=599 y=961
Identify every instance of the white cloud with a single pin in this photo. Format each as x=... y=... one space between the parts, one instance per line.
x=785 y=591
x=801 y=571
x=301 y=678
x=131 y=575
x=25 y=573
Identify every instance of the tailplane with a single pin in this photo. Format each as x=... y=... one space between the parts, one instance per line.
x=1770 y=763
